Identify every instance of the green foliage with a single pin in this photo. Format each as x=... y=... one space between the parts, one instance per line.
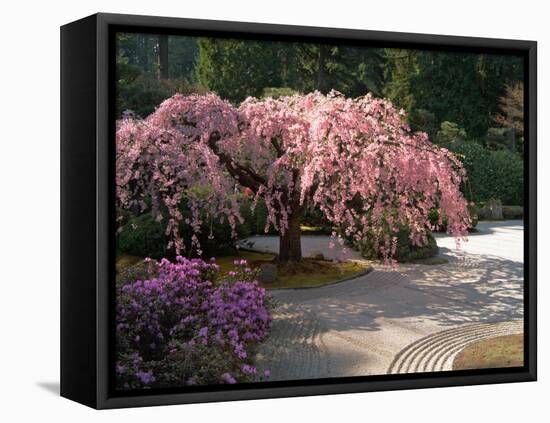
x=183 y=57
x=512 y=212
x=459 y=87
x=350 y=70
x=139 y=87
x=491 y=210
x=142 y=236
x=463 y=87
x=432 y=86
x=449 y=133
x=276 y=92
x=497 y=138
x=400 y=69
x=141 y=51
x=448 y=86
x=254 y=221
x=511 y=114
x=491 y=174
x=442 y=227
x=145 y=92
x=406 y=251
x=236 y=69
x=423 y=120
x=316 y=219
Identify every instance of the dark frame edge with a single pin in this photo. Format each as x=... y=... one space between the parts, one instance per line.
x=313 y=31
x=104 y=175
x=396 y=384
x=101 y=399
x=78 y=216
x=532 y=209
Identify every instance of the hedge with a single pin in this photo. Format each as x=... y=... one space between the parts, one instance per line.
x=491 y=174
x=406 y=251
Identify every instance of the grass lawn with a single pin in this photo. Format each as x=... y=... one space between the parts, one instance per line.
x=307 y=273
x=503 y=351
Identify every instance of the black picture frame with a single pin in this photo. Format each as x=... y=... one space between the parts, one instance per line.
x=87 y=169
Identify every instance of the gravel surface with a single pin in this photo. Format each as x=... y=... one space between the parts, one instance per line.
x=360 y=327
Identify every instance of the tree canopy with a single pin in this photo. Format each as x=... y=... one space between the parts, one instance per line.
x=354 y=159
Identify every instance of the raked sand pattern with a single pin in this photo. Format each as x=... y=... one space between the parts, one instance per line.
x=437 y=352
x=405 y=319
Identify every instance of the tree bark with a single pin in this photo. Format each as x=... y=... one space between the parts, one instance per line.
x=321 y=77
x=290 y=244
x=145 y=52
x=163 y=56
x=512 y=139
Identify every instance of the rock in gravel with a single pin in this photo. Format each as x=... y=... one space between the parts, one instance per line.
x=268 y=273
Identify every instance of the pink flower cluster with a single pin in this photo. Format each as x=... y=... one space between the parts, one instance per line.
x=355 y=159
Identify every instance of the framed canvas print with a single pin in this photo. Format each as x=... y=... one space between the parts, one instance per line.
x=256 y=211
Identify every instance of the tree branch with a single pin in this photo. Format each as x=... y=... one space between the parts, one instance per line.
x=277 y=146
x=246 y=176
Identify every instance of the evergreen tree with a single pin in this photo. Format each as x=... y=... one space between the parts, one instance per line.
x=236 y=69
x=510 y=116
x=401 y=68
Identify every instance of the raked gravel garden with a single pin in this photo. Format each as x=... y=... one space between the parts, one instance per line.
x=398 y=319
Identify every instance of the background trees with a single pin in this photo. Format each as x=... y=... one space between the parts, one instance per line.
x=464 y=88
x=353 y=159
x=236 y=69
x=510 y=116
x=471 y=104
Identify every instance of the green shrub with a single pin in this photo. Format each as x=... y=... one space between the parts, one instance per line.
x=507 y=173
x=315 y=218
x=254 y=221
x=143 y=93
x=491 y=209
x=491 y=174
x=450 y=133
x=423 y=120
x=497 y=138
x=276 y=92
x=142 y=236
x=512 y=212
x=406 y=251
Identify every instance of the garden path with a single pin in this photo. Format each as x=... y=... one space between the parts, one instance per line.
x=359 y=327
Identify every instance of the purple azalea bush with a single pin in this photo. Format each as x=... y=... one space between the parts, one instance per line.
x=187 y=325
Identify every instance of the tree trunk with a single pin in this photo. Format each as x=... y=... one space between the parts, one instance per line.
x=145 y=53
x=321 y=77
x=163 y=56
x=512 y=138
x=290 y=244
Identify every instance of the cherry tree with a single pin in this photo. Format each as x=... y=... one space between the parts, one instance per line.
x=354 y=159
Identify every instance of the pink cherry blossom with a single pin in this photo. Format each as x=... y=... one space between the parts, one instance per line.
x=354 y=159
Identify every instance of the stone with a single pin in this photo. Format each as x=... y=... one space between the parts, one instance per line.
x=317 y=255
x=492 y=210
x=268 y=273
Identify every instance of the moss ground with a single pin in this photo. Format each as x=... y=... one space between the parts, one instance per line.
x=303 y=274
x=503 y=351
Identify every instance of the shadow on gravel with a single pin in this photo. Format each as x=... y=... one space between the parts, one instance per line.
x=384 y=310
x=469 y=289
